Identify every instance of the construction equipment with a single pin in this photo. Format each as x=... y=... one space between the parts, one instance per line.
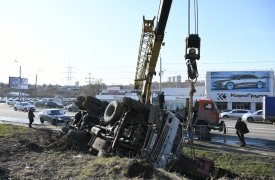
x=134 y=128
x=137 y=128
x=150 y=45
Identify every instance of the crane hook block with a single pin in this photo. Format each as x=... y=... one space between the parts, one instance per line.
x=192 y=49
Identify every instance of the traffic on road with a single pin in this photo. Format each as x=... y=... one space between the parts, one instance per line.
x=262 y=135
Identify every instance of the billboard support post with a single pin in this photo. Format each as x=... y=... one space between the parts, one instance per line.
x=19 y=84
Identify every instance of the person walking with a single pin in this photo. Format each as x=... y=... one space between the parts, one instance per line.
x=31 y=117
x=161 y=100
x=241 y=129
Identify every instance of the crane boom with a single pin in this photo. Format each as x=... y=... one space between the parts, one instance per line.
x=150 y=45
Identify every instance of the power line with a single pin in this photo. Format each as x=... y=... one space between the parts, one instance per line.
x=69 y=74
x=89 y=78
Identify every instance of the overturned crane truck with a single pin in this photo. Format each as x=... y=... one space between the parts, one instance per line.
x=132 y=128
x=137 y=128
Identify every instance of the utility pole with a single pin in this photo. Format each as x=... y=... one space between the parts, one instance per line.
x=19 y=89
x=35 y=85
x=19 y=83
x=160 y=68
x=160 y=73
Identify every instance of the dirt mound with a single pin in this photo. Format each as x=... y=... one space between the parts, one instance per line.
x=141 y=169
x=73 y=140
x=29 y=146
x=4 y=173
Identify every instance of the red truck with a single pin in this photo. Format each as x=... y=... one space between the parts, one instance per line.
x=205 y=117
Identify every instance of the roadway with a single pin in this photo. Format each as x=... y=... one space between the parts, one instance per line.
x=261 y=135
x=8 y=114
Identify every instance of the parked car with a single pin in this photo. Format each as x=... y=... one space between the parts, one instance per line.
x=53 y=116
x=253 y=117
x=240 y=81
x=39 y=103
x=11 y=102
x=235 y=113
x=226 y=110
x=71 y=108
x=24 y=106
x=53 y=104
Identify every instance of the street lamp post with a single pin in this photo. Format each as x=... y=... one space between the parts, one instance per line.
x=35 y=89
x=35 y=85
x=19 y=83
x=160 y=68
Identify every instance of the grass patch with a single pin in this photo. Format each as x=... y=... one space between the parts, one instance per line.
x=249 y=165
x=7 y=130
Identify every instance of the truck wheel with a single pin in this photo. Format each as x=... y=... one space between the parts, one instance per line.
x=15 y=109
x=41 y=120
x=135 y=105
x=113 y=112
x=93 y=100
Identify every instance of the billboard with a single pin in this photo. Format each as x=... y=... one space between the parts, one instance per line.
x=14 y=83
x=239 y=86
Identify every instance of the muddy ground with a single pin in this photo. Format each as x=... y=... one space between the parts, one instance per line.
x=46 y=153
x=42 y=153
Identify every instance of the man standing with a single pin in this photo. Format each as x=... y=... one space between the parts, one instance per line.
x=161 y=100
x=241 y=129
x=31 y=117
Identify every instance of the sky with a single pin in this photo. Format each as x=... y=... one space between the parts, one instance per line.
x=67 y=41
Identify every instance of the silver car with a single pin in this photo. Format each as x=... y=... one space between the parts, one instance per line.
x=24 y=106
x=240 y=82
x=235 y=113
x=253 y=117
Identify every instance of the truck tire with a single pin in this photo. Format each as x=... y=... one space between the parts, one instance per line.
x=93 y=100
x=135 y=105
x=113 y=112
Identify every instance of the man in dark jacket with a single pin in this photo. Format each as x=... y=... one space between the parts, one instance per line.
x=31 y=117
x=161 y=100
x=240 y=127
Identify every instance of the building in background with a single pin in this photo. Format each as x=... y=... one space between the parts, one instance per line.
x=239 y=89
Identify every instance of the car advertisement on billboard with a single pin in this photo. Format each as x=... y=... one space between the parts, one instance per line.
x=14 y=83
x=239 y=85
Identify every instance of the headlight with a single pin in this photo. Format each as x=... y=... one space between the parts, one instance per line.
x=60 y=119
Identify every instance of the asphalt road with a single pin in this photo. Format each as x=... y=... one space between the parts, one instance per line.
x=7 y=113
x=261 y=135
